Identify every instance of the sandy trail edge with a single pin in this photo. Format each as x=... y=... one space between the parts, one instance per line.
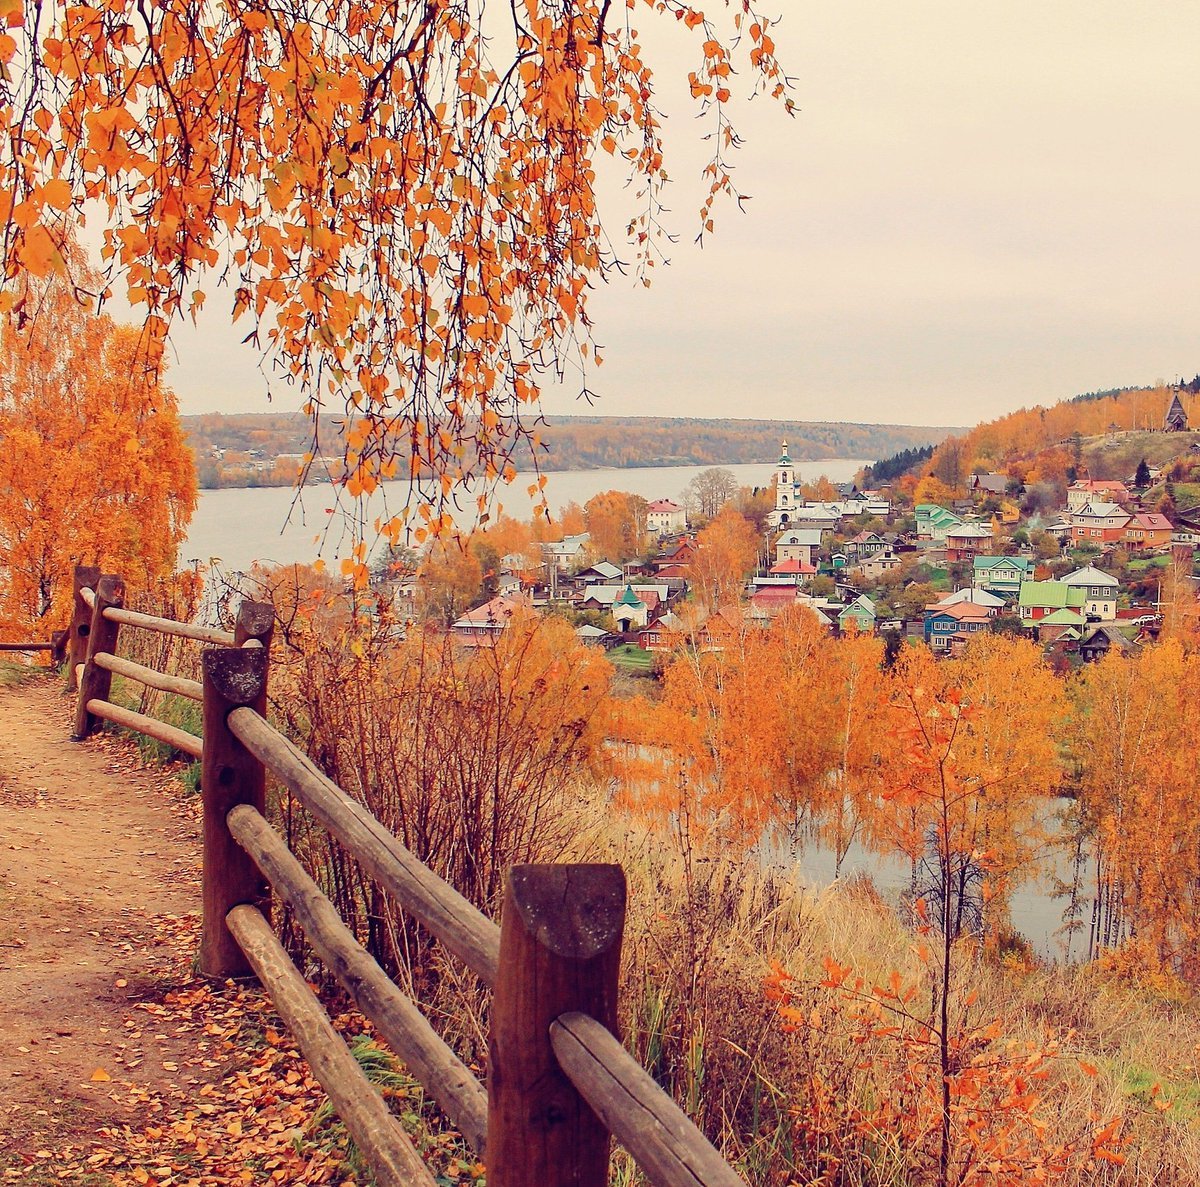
x=97 y=854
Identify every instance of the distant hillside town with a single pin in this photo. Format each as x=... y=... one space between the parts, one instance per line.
x=1083 y=566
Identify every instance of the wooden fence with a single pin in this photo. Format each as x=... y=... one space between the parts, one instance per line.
x=559 y=1081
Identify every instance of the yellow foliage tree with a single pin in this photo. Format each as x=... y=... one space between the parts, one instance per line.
x=403 y=195
x=94 y=468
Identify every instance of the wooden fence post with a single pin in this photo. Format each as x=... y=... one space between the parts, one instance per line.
x=229 y=775
x=86 y=577
x=96 y=682
x=560 y=951
x=255 y=620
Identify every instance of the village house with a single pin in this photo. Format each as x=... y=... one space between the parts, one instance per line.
x=933 y=521
x=965 y=541
x=800 y=546
x=1001 y=575
x=566 y=554
x=629 y=611
x=665 y=518
x=823 y=517
x=1039 y=598
x=785 y=573
x=604 y=597
x=482 y=626
x=1063 y=626
x=983 y=485
x=1102 y=638
x=1147 y=530
x=1095 y=490
x=678 y=557
x=663 y=633
x=1100 y=592
x=858 y=615
x=865 y=544
x=875 y=566
x=602 y=572
x=945 y=624
x=1098 y=523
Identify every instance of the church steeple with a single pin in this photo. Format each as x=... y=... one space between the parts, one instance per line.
x=785 y=486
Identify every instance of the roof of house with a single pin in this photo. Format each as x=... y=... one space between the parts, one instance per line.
x=993 y=483
x=1152 y=521
x=959 y=611
x=983 y=563
x=588 y=631
x=628 y=598
x=792 y=566
x=975 y=597
x=1050 y=594
x=1063 y=617
x=809 y=536
x=1116 y=637
x=604 y=569
x=1099 y=484
x=861 y=605
x=664 y=505
x=1089 y=575
x=668 y=622
x=495 y=613
x=1099 y=510
x=608 y=595
x=568 y=545
x=970 y=531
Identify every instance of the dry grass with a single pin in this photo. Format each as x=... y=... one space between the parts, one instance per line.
x=701 y=939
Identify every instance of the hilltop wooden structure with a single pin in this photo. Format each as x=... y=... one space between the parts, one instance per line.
x=1176 y=420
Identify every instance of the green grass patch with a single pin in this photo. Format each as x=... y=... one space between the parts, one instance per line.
x=1150 y=1090
x=181 y=712
x=631 y=657
x=1149 y=562
x=14 y=675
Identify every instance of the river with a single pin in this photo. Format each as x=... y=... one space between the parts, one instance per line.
x=276 y=525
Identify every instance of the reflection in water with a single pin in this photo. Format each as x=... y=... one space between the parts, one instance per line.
x=1037 y=905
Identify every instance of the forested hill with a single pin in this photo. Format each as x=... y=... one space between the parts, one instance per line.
x=239 y=450
x=587 y=442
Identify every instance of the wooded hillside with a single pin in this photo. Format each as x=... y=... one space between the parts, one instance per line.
x=568 y=442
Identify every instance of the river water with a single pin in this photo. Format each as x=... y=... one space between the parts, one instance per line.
x=276 y=525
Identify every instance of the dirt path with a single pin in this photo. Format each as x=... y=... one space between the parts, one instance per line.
x=98 y=862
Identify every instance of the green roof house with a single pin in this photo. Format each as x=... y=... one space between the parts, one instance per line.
x=933 y=521
x=859 y=614
x=630 y=611
x=1001 y=575
x=1039 y=598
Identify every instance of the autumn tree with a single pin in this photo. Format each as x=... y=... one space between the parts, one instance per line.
x=448 y=579
x=94 y=468
x=401 y=198
x=710 y=490
x=726 y=552
x=616 y=524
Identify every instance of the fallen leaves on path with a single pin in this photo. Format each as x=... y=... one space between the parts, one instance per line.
x=235 y=1106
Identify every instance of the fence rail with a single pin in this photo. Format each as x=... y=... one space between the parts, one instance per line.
x=559 y=1081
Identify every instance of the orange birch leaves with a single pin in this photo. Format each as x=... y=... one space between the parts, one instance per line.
x=94 y=468
x=399 y=197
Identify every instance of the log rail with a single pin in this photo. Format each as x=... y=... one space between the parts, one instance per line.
x=560 y=1082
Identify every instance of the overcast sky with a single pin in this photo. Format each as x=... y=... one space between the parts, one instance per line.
x=978 y=206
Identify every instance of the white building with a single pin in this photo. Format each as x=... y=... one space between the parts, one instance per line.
x=1100 y=591
x=665 y=518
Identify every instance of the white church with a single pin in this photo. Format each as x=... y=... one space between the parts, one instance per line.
x=791 y=509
